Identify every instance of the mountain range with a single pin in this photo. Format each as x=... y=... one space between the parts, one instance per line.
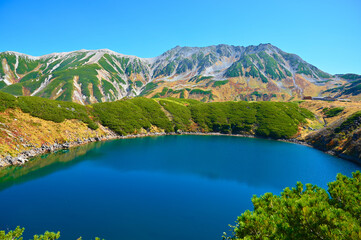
x=214 y=73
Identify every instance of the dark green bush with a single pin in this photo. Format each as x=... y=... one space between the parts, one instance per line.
x=7 y=101
x=265 y=119
x=305 y=212
x=332 y=112
x=181 y=115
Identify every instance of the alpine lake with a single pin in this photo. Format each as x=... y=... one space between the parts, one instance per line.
x=166 y=187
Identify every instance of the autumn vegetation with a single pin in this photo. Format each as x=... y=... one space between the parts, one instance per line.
x=265 y=119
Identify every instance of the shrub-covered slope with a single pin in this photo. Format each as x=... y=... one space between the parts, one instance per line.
x=336 y=128
x=342 y=137
x=266 y=119
x=350 y=90
x=31 y=122
x=22 y=118
x=27 y=122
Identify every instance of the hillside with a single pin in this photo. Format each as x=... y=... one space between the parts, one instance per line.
x=32 y=125
x=338 y=130
x=28 y=123
x=214 y=73
x=350 y=90
x=341 y=138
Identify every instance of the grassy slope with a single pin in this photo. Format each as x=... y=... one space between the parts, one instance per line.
x=339 y=130
x=27 y=122
x=139 y=115
x=20 y=131
x=342 y=137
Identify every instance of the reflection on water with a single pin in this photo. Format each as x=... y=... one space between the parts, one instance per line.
x=169 y=187
x=256 y=162
x=45 y=164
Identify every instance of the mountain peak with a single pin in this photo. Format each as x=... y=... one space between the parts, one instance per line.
x=214 y=72
x=20 y=54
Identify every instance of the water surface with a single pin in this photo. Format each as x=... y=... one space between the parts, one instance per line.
x=169 y=187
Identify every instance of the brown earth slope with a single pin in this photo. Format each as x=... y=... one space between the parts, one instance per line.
x=340 y=135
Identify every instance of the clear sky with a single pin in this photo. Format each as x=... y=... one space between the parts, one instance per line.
x=325 y=33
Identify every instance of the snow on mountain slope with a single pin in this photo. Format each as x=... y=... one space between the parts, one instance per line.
x=214 y=73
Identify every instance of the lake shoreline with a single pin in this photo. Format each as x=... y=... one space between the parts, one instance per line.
x=26 y=156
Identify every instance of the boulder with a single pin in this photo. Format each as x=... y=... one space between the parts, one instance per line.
x=66 y=145
x=19 y=160
x=10 y=160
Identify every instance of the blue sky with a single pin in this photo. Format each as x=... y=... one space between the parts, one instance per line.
x=326 y=33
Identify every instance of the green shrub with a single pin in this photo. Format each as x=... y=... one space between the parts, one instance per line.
x=332 y=112
x=26 y=65
x=235 y=70
x=18 y=233
x=351 y=123
x=220 y=83
x=271 y=66
x=305 y=212
x=128 y=116
x=265 y=119
x=150 y=87
x=30 y=76
x=14 y=89
x=2 y=84
x=7 y=101
x=56 y=111
x=181 y=115
x=87 y=75
x=200 y=91
x=138 y=83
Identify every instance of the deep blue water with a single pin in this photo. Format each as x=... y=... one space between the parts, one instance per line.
x=170 y=187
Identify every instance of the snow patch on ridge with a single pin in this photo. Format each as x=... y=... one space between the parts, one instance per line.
x=42 y=85
x=59 y=91
x=16 y=65
x=77 y=95
x=21 y=55
x=95 y=58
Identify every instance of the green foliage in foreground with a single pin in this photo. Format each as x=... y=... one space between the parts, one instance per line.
x=18 y=233
x=305 y=212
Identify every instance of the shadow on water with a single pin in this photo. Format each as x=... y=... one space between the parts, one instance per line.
x=255 y=162
x=48 y=163
x=251 y=161
x=157 y=184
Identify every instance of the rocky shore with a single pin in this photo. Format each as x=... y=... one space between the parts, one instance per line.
x=25 y=156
